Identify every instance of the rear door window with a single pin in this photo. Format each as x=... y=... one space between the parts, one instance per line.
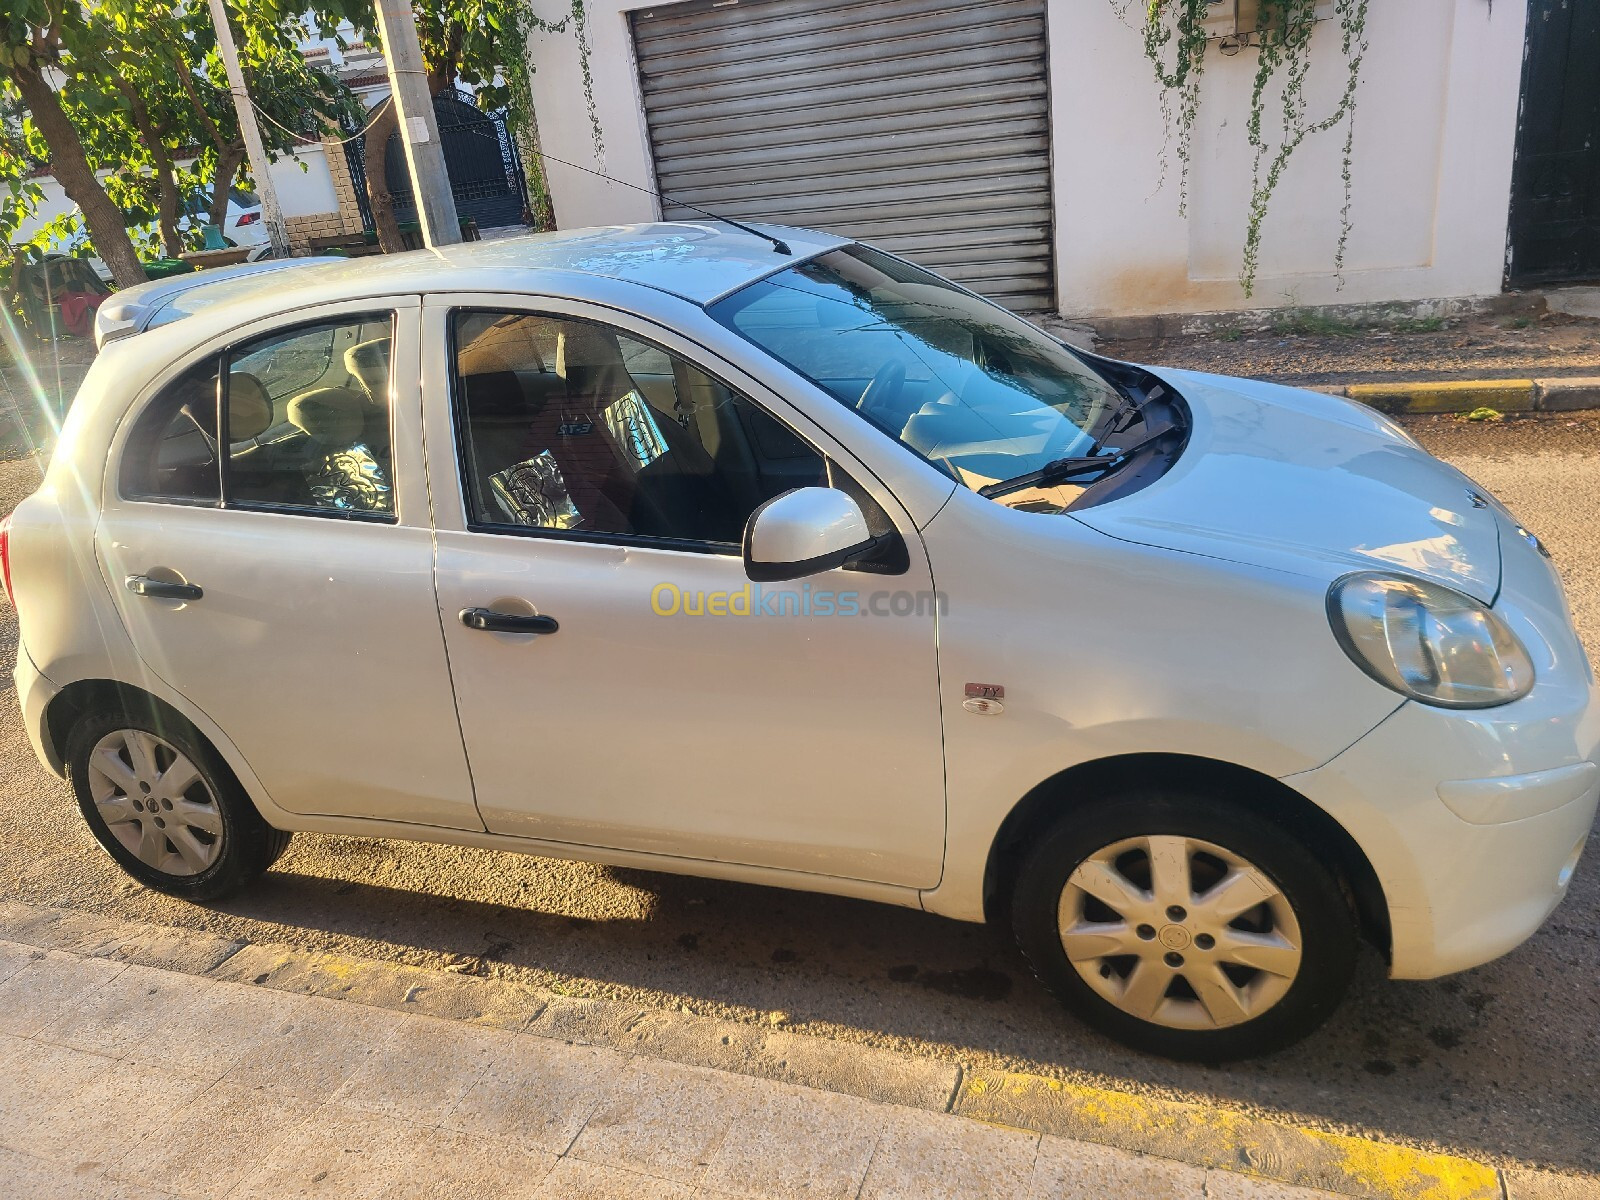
x=297 y=420
x=308 y=419
x=172 y=453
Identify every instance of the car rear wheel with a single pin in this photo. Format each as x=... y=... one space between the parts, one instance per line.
x=166 y=807
x=1185 y=925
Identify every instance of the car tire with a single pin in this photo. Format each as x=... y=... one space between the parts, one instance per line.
x=163 y=803
x=1106 y=879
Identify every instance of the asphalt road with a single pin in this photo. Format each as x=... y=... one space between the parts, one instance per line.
x=1498 y=1062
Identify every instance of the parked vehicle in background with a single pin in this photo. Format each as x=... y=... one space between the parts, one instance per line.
x=241 y=225
x=764 y=555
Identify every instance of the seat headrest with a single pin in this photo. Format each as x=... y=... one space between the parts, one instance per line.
x=368 y=362
x=493 y=392
x=249 y=410
x=333 y=416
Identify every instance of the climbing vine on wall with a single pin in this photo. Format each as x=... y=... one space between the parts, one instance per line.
x=1176 y=44
x=519 y=85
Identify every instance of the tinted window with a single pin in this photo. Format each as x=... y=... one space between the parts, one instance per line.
x=308 y=418
x=172 y=452
x=575 y=426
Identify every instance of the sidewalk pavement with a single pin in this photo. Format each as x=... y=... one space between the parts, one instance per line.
x=128 y=1082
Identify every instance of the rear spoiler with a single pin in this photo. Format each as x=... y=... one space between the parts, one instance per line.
x=134 y=309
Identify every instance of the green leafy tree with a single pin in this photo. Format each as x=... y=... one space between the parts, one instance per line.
x=46 y=50
x=174 y=100
x=137 y=88
x=21 y=195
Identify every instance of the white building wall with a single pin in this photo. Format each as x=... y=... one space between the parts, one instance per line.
x=564 y=127
x=1435 y=118
x=304 y=185
x=1436 y=121
x=304 y=188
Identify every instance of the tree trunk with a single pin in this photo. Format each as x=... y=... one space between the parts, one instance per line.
x=230 y=154
x=443 y=69
x=70 y=165
x=167 y=199
x=229 y=159
x=377 y=142
x=171 y=239
x=540 y=213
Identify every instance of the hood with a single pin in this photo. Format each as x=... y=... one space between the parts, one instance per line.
x=1299 y=481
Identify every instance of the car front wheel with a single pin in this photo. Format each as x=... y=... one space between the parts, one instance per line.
x=1185 y=925
x=165 y=806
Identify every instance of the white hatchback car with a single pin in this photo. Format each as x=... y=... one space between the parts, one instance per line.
x=767 y=556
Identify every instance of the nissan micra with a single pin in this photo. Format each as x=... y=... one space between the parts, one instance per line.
x=764 y=555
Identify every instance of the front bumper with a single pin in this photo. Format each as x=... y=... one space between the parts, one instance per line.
x=1470 y=868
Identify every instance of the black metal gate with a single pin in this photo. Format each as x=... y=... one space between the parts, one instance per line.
x=485 y=169
x=1555 y=185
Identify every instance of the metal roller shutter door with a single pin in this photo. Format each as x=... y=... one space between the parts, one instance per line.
x=920 y=125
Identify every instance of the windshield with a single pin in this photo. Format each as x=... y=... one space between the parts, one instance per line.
x=977 y=392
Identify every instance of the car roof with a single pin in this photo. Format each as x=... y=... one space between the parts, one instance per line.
x=696 y=261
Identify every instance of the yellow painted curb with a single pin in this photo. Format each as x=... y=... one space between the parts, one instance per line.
x=1217 y=1138
x=1449 y=395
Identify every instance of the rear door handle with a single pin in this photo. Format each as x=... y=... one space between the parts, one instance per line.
x=163 y=589
x=498 y=622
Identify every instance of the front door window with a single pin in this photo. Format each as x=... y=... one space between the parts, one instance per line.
x=573 y=427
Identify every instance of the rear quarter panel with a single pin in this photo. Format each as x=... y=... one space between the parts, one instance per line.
x=68 y=626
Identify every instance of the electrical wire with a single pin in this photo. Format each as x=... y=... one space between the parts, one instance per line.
x=778 y=244
x=301 y=133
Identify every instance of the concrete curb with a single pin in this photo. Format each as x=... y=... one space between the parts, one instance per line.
x=1192 y=1133
x=1369 y=316
x=1465 y=395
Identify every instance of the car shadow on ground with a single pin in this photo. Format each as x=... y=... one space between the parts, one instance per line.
x=1495 y=1061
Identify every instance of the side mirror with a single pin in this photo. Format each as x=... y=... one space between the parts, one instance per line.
x=804 y=532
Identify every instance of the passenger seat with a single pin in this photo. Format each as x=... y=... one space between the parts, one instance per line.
x=342 y=470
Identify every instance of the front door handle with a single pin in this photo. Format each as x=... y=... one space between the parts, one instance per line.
x=163 y=589
x=499 y=622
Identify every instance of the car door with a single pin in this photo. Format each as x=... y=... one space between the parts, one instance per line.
x=266 y=535
x=591 y=476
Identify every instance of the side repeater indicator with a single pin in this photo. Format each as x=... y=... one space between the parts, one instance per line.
x=985 y=699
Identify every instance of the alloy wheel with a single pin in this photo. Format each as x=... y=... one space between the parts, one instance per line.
x=1179 y=932
x=154 y=800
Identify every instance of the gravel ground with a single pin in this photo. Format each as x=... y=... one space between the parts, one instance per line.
x=1468 y=348
x=1497 y=1062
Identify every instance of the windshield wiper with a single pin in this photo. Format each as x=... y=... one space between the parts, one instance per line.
x=1063 y=469
x=1129 y=409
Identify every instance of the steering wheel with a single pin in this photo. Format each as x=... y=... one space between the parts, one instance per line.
x=883 y=389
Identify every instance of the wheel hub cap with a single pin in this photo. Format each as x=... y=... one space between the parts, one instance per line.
x=155 y=802
x=1175 y=937
x=1179 y=932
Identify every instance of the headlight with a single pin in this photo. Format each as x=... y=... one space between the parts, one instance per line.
x=1428 y=642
